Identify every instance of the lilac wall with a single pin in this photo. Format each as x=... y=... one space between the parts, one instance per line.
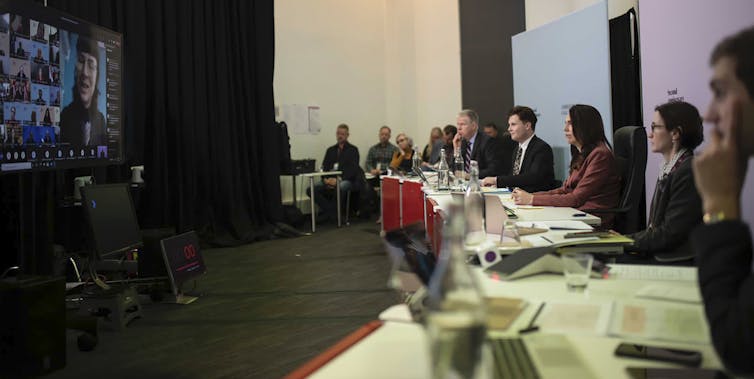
x=676 y=38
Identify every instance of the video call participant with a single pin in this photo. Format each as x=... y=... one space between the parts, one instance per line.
x=477 y=146
x=81 y=123
x=346 y=156
x=402 y=159
x=676 y=208
x=380 y=153
x=533 y=167
x=593 y=181
x=506 y=143
x=723 y=245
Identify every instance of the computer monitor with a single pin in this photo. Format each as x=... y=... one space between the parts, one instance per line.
x=61 y=90
x=184 y=262
x=112 y=221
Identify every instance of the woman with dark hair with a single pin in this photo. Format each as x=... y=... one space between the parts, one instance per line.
x=593 y=182
x=676 y=207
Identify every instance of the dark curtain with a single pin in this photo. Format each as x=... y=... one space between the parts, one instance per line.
x=486 y=28
x=625 y=70
x=199 y=111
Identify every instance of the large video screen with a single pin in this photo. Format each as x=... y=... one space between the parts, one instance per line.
x=60 y=90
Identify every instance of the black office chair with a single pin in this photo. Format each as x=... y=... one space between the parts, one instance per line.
x=630 y=148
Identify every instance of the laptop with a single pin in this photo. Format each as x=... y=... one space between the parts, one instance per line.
x=184 y=263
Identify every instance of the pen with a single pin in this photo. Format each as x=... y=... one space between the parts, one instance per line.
x=531 y=327
x=547 y=239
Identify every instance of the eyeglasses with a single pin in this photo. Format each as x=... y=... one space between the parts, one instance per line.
x=654 y=127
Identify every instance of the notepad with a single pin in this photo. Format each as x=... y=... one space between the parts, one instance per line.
x=678 y=323
x=646 y=272
x=685 y=294
x=502 y=311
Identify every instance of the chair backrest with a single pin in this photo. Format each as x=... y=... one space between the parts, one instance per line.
x=630 y=147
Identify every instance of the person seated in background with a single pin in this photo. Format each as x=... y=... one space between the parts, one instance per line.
x=676 y=208
x=431 y=154
x=505 y=142
x=723 y=245
x=402 y=159
x=533 y=167
x=477 y=146
x=446 y=142
x=379 y=155
x=593 y=181
x=342 y=157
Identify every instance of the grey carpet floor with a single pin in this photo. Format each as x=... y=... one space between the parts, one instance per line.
x=264 y=309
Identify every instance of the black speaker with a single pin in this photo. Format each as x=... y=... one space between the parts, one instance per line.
x=32 y=331
x=150 y=261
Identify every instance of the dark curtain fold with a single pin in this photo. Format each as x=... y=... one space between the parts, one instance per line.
x=625 y=69
x=199 y=111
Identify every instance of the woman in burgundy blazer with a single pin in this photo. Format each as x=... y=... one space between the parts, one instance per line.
x=593 y=182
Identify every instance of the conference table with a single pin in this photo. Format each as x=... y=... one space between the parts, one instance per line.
x=398 y=348
x=653 y=305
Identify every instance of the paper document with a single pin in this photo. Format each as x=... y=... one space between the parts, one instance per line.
x=646 y=272
x=685 y=294
x=678 y=323
x=502 y=311
x=576 y=318
x=567 y=225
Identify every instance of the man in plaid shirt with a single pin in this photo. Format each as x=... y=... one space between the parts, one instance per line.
x=381 y=153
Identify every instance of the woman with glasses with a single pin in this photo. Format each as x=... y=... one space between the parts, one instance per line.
x=593 y=181
x=402 y=158
x=676 y=207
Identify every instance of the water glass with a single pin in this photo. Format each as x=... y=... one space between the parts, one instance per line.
x=577 y=267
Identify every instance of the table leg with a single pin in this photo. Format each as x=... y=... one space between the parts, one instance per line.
x=337 y=196
x=295 y=203
x=311 y=201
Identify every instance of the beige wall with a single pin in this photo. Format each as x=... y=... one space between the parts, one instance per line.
x=367 y=63
x=540 y=12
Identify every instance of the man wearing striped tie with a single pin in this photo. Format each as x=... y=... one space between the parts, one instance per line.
x=477 y=146
x=533 y=169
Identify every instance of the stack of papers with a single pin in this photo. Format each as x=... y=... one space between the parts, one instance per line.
x=677 y=323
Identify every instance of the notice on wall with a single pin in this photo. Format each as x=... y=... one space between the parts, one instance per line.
x=297 y=118
x=314 y=124
x=301 y=119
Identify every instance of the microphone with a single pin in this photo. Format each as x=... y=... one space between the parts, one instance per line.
x=420 y=174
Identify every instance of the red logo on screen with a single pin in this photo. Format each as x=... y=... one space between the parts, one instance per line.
x=189 y=252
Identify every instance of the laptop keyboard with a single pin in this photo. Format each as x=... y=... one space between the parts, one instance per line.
x=511 y=359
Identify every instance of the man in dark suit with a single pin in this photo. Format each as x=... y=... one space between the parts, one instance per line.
x=505 y=142
x=723 y=245
x=339 y=157
x=477 y=146
x=532 y=169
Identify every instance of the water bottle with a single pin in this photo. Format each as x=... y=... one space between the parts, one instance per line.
x=458 y=169
x=473 y=208
x=456 y=314
x=416 y=160
x=442 y=173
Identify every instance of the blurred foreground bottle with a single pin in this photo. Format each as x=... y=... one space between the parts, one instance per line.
x=455 y=320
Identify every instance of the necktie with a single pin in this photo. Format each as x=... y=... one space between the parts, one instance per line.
x=467 y=158
x=517 y=161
